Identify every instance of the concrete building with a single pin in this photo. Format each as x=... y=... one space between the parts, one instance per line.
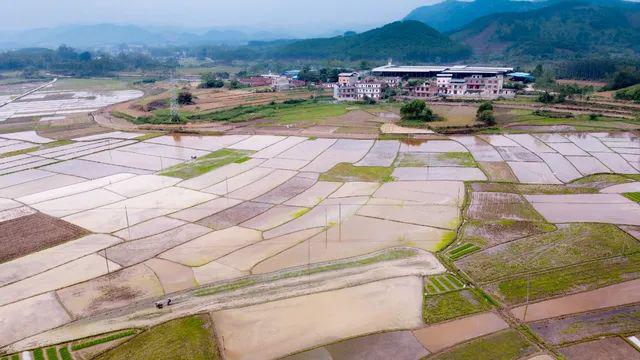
x=360 y=90
x=350 y=78
x=459 y=81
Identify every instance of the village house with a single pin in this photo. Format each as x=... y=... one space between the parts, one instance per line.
x=359 y=90
x=459 y=81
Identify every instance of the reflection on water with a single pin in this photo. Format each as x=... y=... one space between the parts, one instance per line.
x=413 y=141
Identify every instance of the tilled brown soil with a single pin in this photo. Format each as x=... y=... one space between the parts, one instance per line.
x=32 y=233
x=500 y=206
x=610 y=349
x=579 y=327
x=491 y=233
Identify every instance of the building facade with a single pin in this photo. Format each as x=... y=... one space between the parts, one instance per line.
x=459 y=81
x=360 y=90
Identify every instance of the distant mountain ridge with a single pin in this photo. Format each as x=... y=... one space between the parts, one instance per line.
x=452 y=15
x=566 y=29
x=400 y=40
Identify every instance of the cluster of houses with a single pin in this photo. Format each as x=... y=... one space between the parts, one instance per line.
x=422 y=82
x=276 y=82
x=426 y=82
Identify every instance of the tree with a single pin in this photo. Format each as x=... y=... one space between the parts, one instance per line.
x=413 y=109
x=185 y=98
x=546 y=98
x=417 y=110
x=485 y=106
x=486 y=117
x=209 y=80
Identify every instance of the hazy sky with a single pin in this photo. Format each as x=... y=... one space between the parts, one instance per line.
x=24 y=14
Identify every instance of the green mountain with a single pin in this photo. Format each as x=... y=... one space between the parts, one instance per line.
x=401 y=40
x=454 y=14
x=565 y=30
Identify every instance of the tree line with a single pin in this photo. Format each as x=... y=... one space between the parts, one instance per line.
x=68 y=61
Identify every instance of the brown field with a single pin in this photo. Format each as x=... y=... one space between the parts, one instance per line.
x=498 y=171
x=595 y=84
x=625 y=293
x=611 y=349
x=441 y=336
x=454 y=115
x=569 y=329
x=215 y=99
x=31 y=233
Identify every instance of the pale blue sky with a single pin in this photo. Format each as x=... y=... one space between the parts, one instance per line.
x=318 y=14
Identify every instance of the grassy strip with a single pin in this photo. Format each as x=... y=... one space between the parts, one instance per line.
x=189 y=338
x=38 y=354
x=567 y=280
x=462 y=253
x=36 y=148
x=149 y=136
x=64 y=354
x=345 y=172
x=451 y=305
x=102 y=340
x=390 y=255
x=438 y=284
x=634 y=196
x=534 y=189
x=455 y=281
x=52 y=354
x=460 y=248
x=206 y=163
x=504 y=345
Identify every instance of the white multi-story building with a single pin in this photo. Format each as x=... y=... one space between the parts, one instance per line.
x=360 y=90
x=459 y=81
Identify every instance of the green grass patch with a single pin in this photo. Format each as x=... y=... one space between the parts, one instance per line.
x=189 y=338
x=436 y=282
x=65 y=354
x=447 y=239
x=451 y=305
x=529 y=118
x=282 y=113
x=102 y=340
x=206 y=163
x=567 y=246
x=504 y=345
x=225 y=287
x=38 y=354
x=15 y=357
x=52 y=353
x=92 y=84
x=634 y=196
x=462 y=250
x=300 y=212
x=442 y=283
x=345 y=172
x=36 y=148
x=567 y=280
x=162 y=116
x=388 y=255
x=461 y=158
x=149 y=136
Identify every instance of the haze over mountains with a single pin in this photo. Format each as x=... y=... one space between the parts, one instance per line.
x=448 y=31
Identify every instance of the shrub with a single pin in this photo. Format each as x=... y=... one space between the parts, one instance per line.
x=417 y=110
x=487 y=105
x=486 y=117
x=546 y=98
x=185 y=98
x=209 y=80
